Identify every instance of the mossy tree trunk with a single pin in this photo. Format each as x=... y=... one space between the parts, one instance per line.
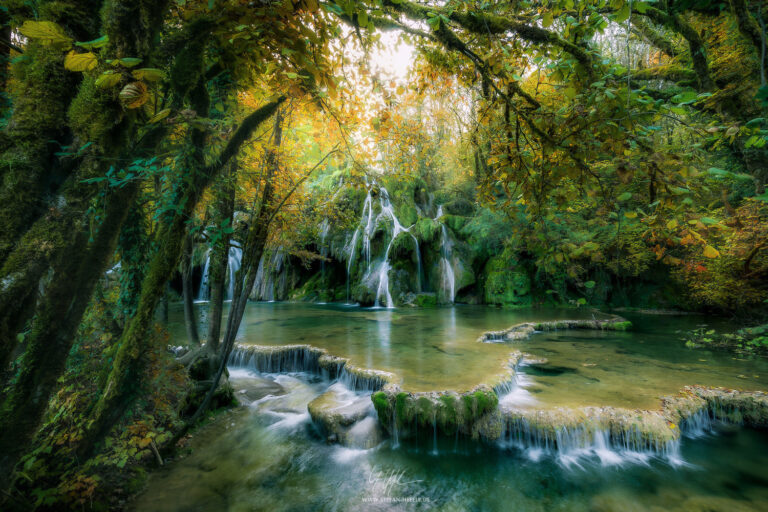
x=255 y=242
x=60 y=245
x=224 y=208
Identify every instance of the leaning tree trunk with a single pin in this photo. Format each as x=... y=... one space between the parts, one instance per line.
x=217 y=272
x=246 y=277
x=120 y=389
x=38 y=126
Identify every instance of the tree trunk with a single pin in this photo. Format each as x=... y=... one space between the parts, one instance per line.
x=187 y=292
x=49 y=340
x=119 y=390
x=38 y=127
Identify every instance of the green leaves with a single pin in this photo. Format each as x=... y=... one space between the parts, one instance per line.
x=622 y=14
x=685 y=98
x=46 y=32
x=160 y=116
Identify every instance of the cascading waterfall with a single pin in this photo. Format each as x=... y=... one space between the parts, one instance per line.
x=377 y=277
x=447 y=274
x=324 y=228
x=204 y=291
x=234 y=259
x=571 y=444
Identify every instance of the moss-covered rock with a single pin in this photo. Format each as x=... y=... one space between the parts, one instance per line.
x=336 y=411
x=425 y=300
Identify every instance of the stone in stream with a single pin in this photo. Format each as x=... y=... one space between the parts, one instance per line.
x=345 y=417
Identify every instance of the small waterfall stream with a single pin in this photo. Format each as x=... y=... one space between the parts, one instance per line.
x=447 y=274
x=234 y=259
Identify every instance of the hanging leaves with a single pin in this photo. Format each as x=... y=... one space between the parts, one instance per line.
x=134 y=95
x=46 y=32
x=80 y=61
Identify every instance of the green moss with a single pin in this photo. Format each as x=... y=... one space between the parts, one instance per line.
x=427 y=231
x=425 y=300
x=381 y=404
x=506 y=284
x=454 y=222
x=402 y=414
x=619 y=326
x=93 y=112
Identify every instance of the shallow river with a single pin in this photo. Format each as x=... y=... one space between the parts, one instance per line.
x=268 y=456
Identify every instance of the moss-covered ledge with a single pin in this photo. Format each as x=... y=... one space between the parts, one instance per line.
x=401 y=413
x=525 y=330
x=306 y=358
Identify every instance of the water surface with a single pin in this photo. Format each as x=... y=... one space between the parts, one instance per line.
x=436 y=349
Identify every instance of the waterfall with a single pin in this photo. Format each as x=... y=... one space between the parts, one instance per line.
x=203 y=292
x=387 y=211
x=234 y=259
x=324 y=228
x=447 y=275
x=572 y=442
x=266 y=287
x=377 y=276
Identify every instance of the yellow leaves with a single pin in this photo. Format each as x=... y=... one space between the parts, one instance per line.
x=80 y=61
x=108 y=79
x=630 y=215
x=134 y=95
x=47 y=32
x=687 y=240
x=711 y=252
x=672 y=224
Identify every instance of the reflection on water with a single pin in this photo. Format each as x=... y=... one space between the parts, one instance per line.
x=268 y=457
x=434 y=349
